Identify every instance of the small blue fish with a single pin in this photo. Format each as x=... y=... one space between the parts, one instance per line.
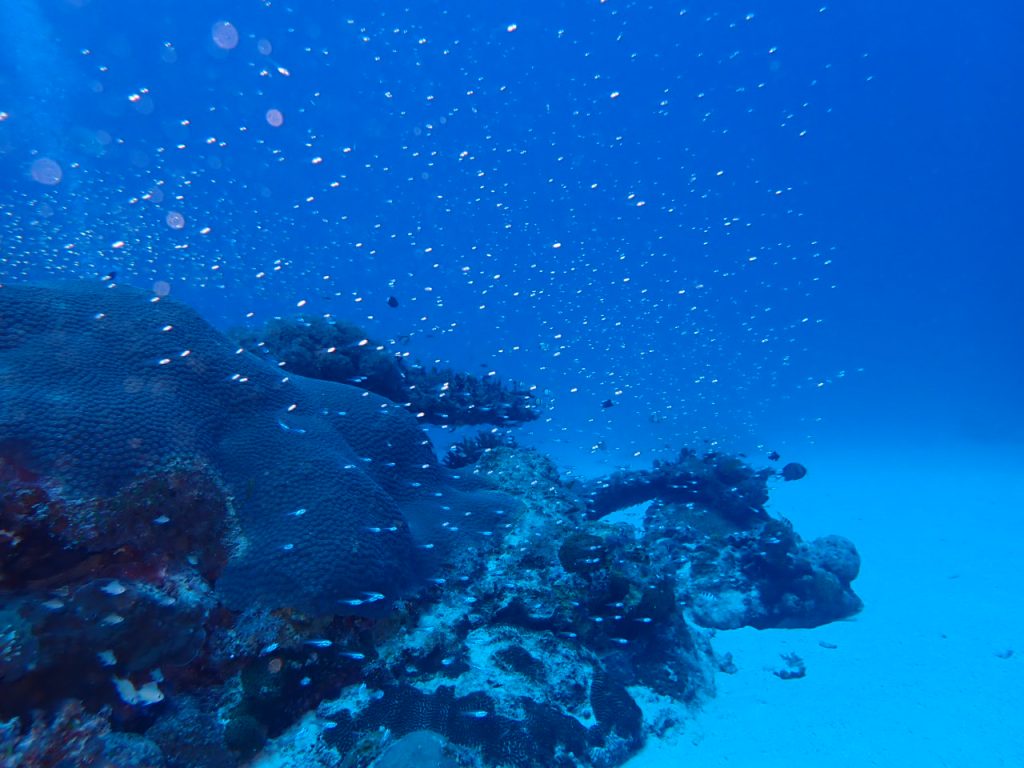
x=286 y=428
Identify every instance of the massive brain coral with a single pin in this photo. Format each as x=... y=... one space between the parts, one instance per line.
x=340 y=502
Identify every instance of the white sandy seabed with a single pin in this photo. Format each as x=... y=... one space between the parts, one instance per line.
x=919 y=678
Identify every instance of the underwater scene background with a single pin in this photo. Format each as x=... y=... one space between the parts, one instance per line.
x=569 y=383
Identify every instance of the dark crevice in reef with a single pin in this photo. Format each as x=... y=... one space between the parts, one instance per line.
x=201 y=556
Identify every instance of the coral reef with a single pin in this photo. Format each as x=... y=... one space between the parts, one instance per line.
x=73 y=737
x=452 y=398
x=326 y=349
x=207 y=562
x=469 y=450
x=336 y=492
x=95 y=596
x=531 y=659
x=715 y=480
x=334 y=350
x=744 y=567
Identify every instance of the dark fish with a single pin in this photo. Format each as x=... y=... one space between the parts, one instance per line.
x=392 y=301
x=793 y=471
x=774 y=456
x=607 y=404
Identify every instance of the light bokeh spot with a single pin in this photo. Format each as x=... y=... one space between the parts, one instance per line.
x=47 y=171
x=224 y=35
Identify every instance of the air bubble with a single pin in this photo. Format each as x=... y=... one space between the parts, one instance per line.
x=224 y=35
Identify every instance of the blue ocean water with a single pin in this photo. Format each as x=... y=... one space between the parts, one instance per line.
x=746 y=228
x=744 y=219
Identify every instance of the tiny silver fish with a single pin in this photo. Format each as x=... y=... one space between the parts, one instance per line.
x=114 y=588
x=287 y=428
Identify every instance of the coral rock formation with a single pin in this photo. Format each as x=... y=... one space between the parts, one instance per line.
x=206 y=561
